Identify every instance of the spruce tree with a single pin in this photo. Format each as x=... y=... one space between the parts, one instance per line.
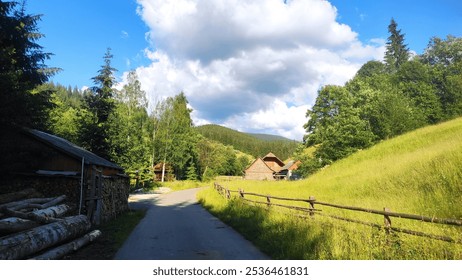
x=397 y=51
x=22 y=69
x=99 y=103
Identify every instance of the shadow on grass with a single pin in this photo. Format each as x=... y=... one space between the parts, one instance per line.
x=274 y=234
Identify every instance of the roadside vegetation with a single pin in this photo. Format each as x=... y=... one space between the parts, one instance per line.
x=416 y=173
x=114 y=234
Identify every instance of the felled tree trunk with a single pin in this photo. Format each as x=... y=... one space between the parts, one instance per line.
x=17 y=224
x=63 y=250
x=8 y=197
x=30 y=242
x=14 y=224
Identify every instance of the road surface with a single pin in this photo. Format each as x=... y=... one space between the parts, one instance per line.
x=176 y=227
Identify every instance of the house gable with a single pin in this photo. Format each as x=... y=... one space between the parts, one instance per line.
x=259 y=170
x=273 y=162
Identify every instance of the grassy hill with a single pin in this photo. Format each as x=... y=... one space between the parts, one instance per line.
x=257 y=145
x=416 y=173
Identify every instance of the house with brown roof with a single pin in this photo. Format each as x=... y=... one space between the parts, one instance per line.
x=264 y=168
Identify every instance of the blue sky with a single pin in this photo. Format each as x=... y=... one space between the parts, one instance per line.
x=254 y=66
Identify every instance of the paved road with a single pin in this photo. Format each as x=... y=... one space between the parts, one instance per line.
x=176 y=227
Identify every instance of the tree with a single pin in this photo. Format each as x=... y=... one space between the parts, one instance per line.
x=175 y=140
x=191 y=173
x=414 y=79
x=371 y=69
x=130 y=128
x=443 y=52
x=445 y=59
x=64 y=116
x=99 y=104
x=396 y=52
x=335 y=125
x=22 y=69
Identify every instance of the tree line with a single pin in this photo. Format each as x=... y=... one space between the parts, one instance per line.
x=384 y=99
x=249 y=143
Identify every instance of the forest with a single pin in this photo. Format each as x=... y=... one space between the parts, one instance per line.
x=386 y=98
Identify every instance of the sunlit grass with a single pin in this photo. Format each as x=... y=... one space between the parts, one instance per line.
x=417 y=173
x=183 y=185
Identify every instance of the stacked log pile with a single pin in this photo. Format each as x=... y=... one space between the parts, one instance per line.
x=33 y=227
x=114 y=197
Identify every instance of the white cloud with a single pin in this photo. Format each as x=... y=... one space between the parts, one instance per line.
x=250 y=65
x=124 y=34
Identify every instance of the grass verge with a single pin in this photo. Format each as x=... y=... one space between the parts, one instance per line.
x=114 y=233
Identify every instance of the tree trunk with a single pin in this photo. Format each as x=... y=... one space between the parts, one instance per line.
x=26 y=243
x=63 y=250
x=8 y=197
x=53 y=212
x=17 y=224
x=14 y=224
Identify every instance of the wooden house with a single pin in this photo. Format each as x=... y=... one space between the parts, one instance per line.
x=286 y=172
x=265 y=168
x=168 y=175
x=54 y=166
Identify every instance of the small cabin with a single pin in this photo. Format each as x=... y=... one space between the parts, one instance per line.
x=264 y=168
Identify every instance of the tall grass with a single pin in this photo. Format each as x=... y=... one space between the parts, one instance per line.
x=417 y=173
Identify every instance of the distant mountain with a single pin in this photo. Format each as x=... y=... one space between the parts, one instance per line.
x=257 y=145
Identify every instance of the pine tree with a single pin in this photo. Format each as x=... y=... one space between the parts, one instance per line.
x=99 y=103
x=22 y=69
x=191 y=172
x=397 y=52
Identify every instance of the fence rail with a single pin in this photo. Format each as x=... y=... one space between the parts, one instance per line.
x=386 y=213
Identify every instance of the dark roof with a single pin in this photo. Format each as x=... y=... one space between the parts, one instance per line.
x=71 y=149
x=288 y=165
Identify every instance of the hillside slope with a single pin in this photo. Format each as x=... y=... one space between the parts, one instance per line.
x=255 y=145
x=416 y=173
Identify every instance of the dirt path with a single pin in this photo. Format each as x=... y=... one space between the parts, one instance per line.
x=177 y=227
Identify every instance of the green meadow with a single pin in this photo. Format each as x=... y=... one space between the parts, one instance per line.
x=416 y=173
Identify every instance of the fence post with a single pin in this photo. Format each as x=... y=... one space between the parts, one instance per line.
x=387 y=220
x=312 y=200
x=228 y=194
x=268 y=200
x=241 y=193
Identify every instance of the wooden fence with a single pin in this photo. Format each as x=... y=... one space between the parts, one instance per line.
x=312 y=210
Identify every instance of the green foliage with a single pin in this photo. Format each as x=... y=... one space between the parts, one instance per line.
x=191 y=173
x=255 y=145
x=22 y=69
x=335 y=125
x=130 y=130
x=217 y=159
x=65 y=114
x=174 y=137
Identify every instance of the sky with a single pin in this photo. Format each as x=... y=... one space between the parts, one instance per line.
x=253 y=66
